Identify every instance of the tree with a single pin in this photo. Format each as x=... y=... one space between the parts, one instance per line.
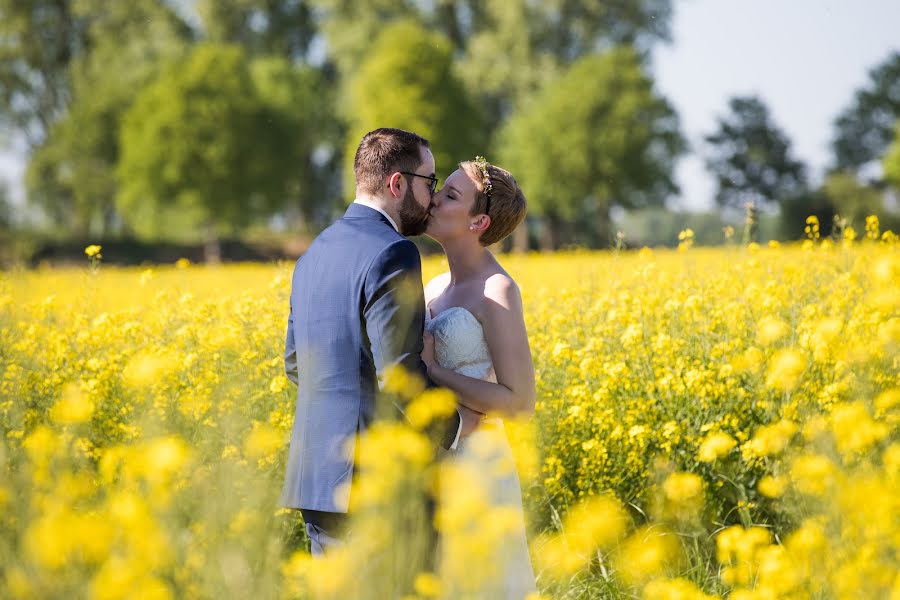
x=891 y=162
x=865 y=129
x=505 y=49
x=408 y=82
x=851 y=199
x=750 y=157
x=598 y=136
x=71 y=174
x=207 y=147
x=6 y=220
x=40 y=39
x=282 y=28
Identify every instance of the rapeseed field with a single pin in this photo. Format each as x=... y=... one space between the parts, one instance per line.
x=710 y=423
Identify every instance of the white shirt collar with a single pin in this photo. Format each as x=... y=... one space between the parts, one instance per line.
x=372 y=206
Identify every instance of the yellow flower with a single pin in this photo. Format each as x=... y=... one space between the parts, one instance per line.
x=429 y=405
x=771 y=439
x=715 y=446
x=853 y=428
x=147 y=369
x=770 y=330
x=674 y=589
x=683 y=496
x=772 y=487
x=42 y=444
x=92 y=251
x=813 y=474
x=648 y=553
x=72 y=407
x=785 y=370
x=595 y=524
x=427 y=585
x=263 y=441
x=401 y=382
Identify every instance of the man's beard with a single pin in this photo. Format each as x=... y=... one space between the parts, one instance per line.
x=413 y=218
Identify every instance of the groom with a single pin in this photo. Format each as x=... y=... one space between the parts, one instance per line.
x=357 y=308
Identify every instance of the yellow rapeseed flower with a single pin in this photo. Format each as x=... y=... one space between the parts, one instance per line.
x=785 y=370
x=263 y=441
x=715 y=446
x=854 y=429
x=813 y=474
x=772 y=486
x=771 y=329
x=73 y=406
x=647 y=554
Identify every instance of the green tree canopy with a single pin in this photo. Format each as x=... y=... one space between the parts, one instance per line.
x=750 y=157
x=408 y=82
x=283 y=28
x=865 y=129
x=891 y=162
x=851 y=199
x=71 y=174
x=506 y=49
x=599 y=136
x=40 y=38
x=209 y=144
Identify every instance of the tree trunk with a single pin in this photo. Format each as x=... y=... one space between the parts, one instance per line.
x=212 y=247
x=520 y=238
x=604 y=229
x=550 y=233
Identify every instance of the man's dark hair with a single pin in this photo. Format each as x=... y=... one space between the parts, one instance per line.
x=383 y=151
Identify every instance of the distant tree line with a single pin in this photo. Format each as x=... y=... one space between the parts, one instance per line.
x=194 y=121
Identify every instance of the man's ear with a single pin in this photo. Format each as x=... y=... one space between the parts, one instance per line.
x=394 y=185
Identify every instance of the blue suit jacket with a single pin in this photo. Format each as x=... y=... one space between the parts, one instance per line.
x=357 y=307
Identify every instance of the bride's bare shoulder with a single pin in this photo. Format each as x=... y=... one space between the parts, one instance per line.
x=502 y=289
x=437 y=285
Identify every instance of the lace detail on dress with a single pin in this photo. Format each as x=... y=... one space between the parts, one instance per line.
x=459 y=343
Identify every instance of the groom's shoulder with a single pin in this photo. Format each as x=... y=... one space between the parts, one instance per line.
x=366 y=235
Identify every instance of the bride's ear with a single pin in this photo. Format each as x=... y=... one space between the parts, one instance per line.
x=481 y=224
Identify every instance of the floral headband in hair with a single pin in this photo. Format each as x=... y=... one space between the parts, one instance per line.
x=482 y=164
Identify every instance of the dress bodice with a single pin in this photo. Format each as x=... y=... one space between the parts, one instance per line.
x=459 y=343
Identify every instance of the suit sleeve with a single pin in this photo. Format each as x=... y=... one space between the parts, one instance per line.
x=394 y=315
x=290 y=350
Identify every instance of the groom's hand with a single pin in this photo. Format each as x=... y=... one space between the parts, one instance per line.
x=469 y=420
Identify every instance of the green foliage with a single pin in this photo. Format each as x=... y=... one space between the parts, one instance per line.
x=40 y=39
x=750 y=158
x=506 y=48
x=72 y=173
x=214 y=142
x=865 y=129
x=598 y=136
x=891 y=162
x=408 y=82
x=281 y=28
x=851 y=199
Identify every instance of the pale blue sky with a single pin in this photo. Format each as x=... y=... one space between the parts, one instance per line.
x=805 y=58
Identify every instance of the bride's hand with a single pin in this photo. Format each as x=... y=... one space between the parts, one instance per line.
x=428 y=350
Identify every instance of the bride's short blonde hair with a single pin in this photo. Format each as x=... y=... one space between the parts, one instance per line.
x=507 y=206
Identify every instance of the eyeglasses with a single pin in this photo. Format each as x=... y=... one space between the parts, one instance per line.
x=431 y=186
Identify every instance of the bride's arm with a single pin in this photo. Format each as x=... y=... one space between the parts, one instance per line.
x=504 y=330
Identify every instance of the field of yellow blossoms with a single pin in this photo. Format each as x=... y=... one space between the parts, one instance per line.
x=710 y=423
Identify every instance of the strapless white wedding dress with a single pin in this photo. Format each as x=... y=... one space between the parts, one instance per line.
x=484 y=551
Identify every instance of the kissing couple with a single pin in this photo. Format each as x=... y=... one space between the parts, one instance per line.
x=358 y=308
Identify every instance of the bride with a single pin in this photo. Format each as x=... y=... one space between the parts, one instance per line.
x=476 y=345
